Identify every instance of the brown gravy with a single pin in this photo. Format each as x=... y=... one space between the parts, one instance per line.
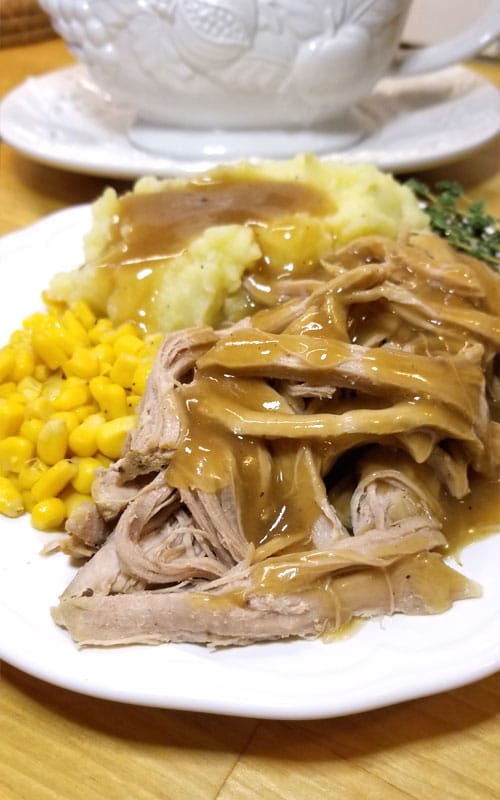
x=272 y=477
x=474 y=517
x=271 y=480
x=150 y=226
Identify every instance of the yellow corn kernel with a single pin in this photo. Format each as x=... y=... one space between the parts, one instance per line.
x=83 y=313
x=17 y=397
x=11 y=417
x=84 y=477
x=29 y=387
x=40 y=408
x=82 y=412
x=133 y=401
x=20 y=338
x=83 y=439
x=116 y=405
x=35 y=320
x=14 y=452
x=41 y=372
x=73 y=326
x=14 y=479
x=49 y=349
x=70 y=343
x=54 y=480
x=98 y=330
x=49 y=514
x=11 y=501
x=52 y=386
x=7 y=361
x=110 y=334
x=30 y=472
x=111 y=436
x=73 y=393
x=52 y=441
x=84 y=363
x=104 y=353
x=28 y=500
x=24 y=364
x=71 y=418
x=30 y=428
x=110 y=396
x=140 y=378
x=128 y=343
x=123 y=370
x=103 y=460
x=7 y=389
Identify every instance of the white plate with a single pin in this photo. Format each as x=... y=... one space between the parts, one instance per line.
x=381 y=663
x=415 y=123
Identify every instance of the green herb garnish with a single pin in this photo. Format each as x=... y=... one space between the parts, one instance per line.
x=464 y=224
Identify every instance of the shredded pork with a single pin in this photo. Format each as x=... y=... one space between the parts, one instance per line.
x=287 y=474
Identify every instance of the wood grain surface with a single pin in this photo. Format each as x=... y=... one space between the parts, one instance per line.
x=58 y=745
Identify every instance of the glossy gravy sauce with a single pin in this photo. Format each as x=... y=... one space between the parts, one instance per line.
x=150 y=228
x=474 y=517
x=272 y=481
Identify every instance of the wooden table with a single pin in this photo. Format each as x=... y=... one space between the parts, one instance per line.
x=57 y=745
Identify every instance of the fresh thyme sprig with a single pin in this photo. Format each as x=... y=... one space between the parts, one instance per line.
x=464 y=224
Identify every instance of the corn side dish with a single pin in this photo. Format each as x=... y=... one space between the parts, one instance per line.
x=69 y=387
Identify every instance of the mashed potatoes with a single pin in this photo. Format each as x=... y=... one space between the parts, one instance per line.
x=173 y=253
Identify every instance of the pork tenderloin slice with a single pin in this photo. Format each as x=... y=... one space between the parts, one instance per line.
x=420 y=584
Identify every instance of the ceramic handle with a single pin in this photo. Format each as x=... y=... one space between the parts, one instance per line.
x=478 y=36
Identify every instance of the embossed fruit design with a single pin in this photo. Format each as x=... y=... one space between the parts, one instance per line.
x=214 y=31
